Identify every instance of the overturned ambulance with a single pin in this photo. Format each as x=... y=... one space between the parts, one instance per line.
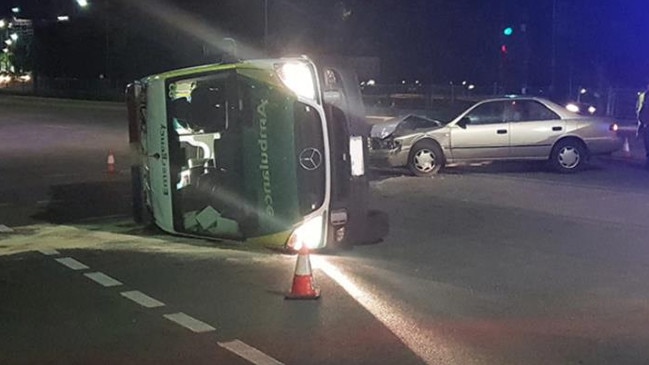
x=270 y=151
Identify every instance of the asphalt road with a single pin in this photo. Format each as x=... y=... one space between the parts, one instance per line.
x=53 y=160
x=492 y=264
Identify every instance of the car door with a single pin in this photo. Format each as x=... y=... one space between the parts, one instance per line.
x=533 y=128
x=481 y=134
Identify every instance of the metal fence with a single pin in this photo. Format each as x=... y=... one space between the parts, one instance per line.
x=619 y=103
x=69 y=88
x=434 y=100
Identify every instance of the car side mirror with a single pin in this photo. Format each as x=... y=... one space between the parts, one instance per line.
x=464 y=122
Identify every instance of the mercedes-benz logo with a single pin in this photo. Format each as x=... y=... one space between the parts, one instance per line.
x=310 y=159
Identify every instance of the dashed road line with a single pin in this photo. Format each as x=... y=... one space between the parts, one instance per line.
x=142 y=299
x=72 y=263
x=103 y=279
x=249 y=353
x=237 y=347
x=190 y=323
x=49 y=252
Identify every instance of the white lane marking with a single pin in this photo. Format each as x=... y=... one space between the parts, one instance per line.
x=49 y=252
x=249 y=353
x=430 y=348
x=5 y=229
x=142 y=299
x=237 y=347
x=72 y=263
x=102 y=279
x=190 y=323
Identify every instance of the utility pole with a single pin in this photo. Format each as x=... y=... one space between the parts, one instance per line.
x=266 y=26
x=553 y=56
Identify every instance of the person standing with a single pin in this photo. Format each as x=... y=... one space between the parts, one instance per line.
x=642 y=113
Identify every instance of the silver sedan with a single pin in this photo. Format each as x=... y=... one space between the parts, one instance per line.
x=508 y=128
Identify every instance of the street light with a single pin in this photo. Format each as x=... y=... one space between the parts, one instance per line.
x=102 y=7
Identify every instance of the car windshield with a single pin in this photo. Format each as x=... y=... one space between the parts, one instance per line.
x=445 y=111
x=414 y=122
x=235 y=165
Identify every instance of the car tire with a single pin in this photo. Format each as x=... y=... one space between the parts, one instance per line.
x=425 y=159
x=568 y=156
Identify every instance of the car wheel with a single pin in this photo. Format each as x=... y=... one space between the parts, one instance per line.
x=569 y=155
x=426 y=158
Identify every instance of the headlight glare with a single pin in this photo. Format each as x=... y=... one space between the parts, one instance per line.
x=298 y=77
x=309 y=234
x=572 y=107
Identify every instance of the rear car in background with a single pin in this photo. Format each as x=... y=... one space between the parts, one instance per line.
x=270 y=151
x=507 y=128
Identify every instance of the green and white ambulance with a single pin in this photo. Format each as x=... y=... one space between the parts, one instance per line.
x=269 y=151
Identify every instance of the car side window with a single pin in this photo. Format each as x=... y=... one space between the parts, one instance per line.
x=515 y=110
x=487 y=113
x=528 y=110
x=538 y=111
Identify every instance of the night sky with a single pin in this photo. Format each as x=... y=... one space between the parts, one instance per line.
x=599 y=43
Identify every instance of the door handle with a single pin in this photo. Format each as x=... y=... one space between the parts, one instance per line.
x=557 y=128
x=501 y=131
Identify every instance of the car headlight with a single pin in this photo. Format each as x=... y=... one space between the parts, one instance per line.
x=309 y=233
x=572 y=107
x=299 y=77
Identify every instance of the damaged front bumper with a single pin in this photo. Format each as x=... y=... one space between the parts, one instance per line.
x=387 y=153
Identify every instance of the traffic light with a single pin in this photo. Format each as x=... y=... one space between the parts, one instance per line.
x=505 y=40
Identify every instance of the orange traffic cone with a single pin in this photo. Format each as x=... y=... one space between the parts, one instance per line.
x=111 y=162
x=625 y=148
x=303 y=283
